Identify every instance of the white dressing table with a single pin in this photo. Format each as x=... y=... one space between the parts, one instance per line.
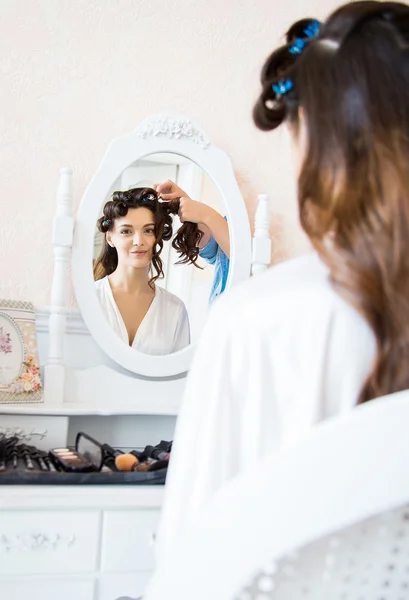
x=97 y=542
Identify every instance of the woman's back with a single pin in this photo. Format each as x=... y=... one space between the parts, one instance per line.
x=306 y=341
x=281 y=352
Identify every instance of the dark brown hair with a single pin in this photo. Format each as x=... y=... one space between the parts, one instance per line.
x=352 y=82
x=185 y=242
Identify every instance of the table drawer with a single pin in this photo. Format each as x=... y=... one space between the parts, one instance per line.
x=42 y=542
x=47 y=589
x=128 y=540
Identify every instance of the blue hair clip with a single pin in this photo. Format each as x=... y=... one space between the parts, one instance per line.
x=313 y=28
x=148 y=198
x=297 y=47
x=310 y=32
x=282 y=87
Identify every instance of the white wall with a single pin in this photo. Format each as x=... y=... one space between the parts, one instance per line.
x=76 y=73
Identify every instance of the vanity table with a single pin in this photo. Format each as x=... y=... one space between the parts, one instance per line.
x=97 y=542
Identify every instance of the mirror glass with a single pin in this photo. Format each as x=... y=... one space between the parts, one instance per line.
x=155 y=305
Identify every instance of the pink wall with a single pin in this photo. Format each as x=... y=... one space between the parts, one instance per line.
x=76 y=73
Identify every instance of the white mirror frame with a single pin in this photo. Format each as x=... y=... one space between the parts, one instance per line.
x=159 y=133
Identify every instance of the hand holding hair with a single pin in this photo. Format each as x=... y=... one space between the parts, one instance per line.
x=168 y=190
x=209 y=221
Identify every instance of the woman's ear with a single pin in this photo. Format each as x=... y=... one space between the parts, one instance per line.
x=109 y=239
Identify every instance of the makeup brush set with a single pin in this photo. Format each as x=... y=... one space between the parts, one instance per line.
x=89 y=462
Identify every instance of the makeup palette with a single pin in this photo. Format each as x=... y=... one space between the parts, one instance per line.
x=70 y=460
x=87 y=456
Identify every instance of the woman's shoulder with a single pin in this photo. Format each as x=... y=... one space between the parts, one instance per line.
x=297 y=291
x=297 y=272
x=294 y=276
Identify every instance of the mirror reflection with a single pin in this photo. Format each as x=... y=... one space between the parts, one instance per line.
x=161 y=253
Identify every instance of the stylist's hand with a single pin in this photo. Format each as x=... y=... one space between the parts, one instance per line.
x=193 y=211
x=189 y=210
x=169 y=190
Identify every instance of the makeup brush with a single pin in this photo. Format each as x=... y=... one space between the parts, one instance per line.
x=40 y=456
x=158 y=464
x=157 y=452
x=2 y=455
x=10 y=449
x=109 y=455
x=142 y=467
x=25 y=453
x=126 y=462
x=14 y=457
x=49 y=463
x=108 y=450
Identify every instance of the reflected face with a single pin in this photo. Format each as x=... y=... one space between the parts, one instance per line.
x=133 y=237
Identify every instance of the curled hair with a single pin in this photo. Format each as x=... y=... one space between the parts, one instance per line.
x=270 y=110
x=185 y=241
x=352 y=82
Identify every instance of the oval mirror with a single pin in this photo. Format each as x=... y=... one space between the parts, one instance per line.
x=131 y=242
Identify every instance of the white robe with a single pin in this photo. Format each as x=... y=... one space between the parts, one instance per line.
x=163 y=330
x=279 y=354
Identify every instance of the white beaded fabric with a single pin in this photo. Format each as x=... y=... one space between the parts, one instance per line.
x=368 y=561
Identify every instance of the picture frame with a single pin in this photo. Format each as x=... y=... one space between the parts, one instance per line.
x=20 y=377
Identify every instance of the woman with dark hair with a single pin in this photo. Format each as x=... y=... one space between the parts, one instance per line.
x=317 y=335
x=147 y=317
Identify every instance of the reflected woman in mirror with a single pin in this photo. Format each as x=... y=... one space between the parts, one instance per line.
x=147 y=317
x=214 y=244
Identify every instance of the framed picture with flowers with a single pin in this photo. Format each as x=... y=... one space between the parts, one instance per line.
x=20 y=379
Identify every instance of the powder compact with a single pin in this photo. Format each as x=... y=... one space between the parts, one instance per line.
x=70 y=460
x=87 y=456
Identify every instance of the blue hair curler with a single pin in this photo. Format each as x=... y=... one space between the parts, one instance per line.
x=313 y=29
x=282 y=87
x=148 y=198
x=310 y=32
x=297 y=47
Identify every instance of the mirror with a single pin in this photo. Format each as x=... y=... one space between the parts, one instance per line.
x=151 y=320
x=162 y=147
